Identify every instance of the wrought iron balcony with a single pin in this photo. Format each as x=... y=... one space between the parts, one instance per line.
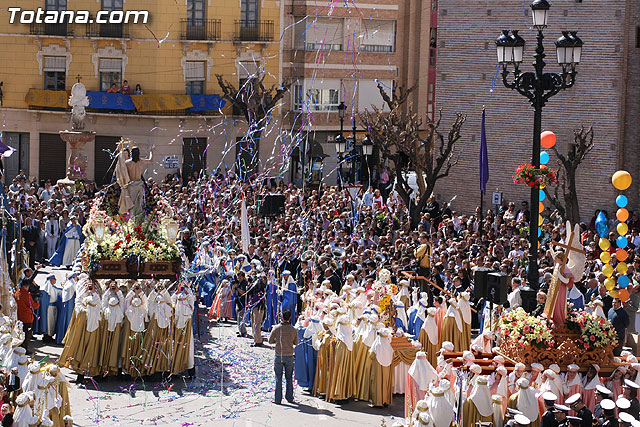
x=108 y=30
x=254 y=31
x=51 y=29
x=200 y=29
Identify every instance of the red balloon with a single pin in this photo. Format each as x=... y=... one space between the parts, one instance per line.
x=547 y=139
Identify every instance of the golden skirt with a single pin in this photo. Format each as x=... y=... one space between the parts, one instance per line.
x=342 y=383
x=157 y=342
x=73 y=340
x=451 y=333
x=111 y=350
x=381 y=382
x=90 y=357
x=132 y=351
x=181 y=343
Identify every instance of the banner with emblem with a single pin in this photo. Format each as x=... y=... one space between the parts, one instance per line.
x=161 y=102
x=47 y=98
x=110 y=101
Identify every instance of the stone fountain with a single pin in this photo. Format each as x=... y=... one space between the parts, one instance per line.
x=77 y=137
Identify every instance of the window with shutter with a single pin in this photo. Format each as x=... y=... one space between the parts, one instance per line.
x=194 y=70
x=55 y=63
x=324 y=34
x=380 y=37
x=54 y=72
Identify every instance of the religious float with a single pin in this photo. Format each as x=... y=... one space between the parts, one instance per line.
x=560 y=335
x=125 y=241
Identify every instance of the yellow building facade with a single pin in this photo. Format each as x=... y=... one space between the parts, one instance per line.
x=178 y=52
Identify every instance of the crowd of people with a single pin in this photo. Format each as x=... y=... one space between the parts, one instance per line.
x=314 y=261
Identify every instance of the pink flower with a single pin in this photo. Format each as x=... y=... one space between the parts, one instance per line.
x=592 y=338
x=527 y=329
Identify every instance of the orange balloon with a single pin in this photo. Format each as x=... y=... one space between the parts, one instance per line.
x=547 y=139
x=621 y=254
x=622 y=214
x=543 y=166
x=540 y=206
x=621 y=180
x=623 y=294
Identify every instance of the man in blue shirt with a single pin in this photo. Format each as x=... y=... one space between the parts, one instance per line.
x=620 y=321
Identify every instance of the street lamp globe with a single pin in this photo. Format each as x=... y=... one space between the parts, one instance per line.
x=517 y=43
x=540 y=9
x=341 y=109
x=577 y=47
x=367 y=146
x=504 y=48
x=564 y=49
x=341 y=144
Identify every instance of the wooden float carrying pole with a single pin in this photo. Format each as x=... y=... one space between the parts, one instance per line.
x=410 y=276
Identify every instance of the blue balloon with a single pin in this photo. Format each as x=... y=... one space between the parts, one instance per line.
x=601 y=225
x=544 y=158
x=622 y=201
x=623 y=281
x=539 y=232
x=621 y=241
x=542 y=195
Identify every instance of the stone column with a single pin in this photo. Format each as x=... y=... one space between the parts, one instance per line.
x=77 y=166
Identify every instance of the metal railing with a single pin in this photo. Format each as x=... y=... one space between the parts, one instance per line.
x=254 y=31
x=204 y=29
x=51 y=29
x=108 y=30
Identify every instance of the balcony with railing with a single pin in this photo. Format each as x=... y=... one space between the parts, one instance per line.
x=117 y=31
x=254 y=31
x=203 y=29
x=51 y=29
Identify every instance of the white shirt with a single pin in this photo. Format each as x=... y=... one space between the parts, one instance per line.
x=113 y=309
x=183 y=302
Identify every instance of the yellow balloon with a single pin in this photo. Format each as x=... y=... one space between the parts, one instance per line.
x=605 y=257
x=609 y=284
x=622 y=268
x=613 y=293
x=621 y=180
x=607 y=270
x=604 y=244
x=622 y=228
x=540 y=219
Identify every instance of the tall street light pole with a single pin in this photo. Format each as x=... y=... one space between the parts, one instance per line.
x=354 y=153
x=538 y=87
x=341 y=142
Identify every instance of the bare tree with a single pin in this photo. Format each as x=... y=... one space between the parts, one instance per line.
x=569 y=208
x=255 y=102
x=401 y=139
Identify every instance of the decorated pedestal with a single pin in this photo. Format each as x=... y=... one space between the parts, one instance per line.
x=123 y=269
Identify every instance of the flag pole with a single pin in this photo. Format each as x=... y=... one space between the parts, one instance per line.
x=481 y=221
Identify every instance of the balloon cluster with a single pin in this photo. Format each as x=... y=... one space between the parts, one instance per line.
x=621 y=180
x=547 y=140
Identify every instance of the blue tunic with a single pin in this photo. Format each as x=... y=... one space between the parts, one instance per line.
x=64 y=317
x=40 y=322
x=290 y=301
x=305 y=360
x=271 y=302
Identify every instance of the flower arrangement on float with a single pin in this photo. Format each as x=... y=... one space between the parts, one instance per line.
x=385 y=290
x=521 y=328
x=595 y=331
x=535 y=177
x=122 y=239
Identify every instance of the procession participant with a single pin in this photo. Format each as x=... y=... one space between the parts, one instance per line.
x=590 y=383
x=626 y=420
x=477 y=407
x=622 y=405
x=440 y=409
x=482 y=343
x=549 y=385
x=608 y=413
x=183 y=355
x=499 y=386
x=5 y=347
x=421 y=407
x=25 y=305
x=342 y=383
x=602 y=393
x=417 y=315
x=428 y=337
x=67 y=303
x=536 y=375
x=69 y=244
x=362 y=363
x=46 y=314
x=572 y=382
x=221 y=309
x=630 y=392
x=465 y=312
x=524 y=400
x=23 y=368
x=289 y=295
x=325 y=354
x=403 y=294
x=615 y=382
x=582 y=412
x=475 y=371
x=452 y=326
x=158 y=335
x=521 y=420
x=61 y=385
x=561 y=412
x=515 y=375
x=32 y=378
x=420 y=377
x=381 y=380
x=306 y=353
x=401 y=316
x=548 y=418
x=255 y=297
x=23 y=417
x=113 y=318
x=558 y=382
x=135 y=315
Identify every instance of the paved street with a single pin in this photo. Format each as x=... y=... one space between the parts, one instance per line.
x=234 y=387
